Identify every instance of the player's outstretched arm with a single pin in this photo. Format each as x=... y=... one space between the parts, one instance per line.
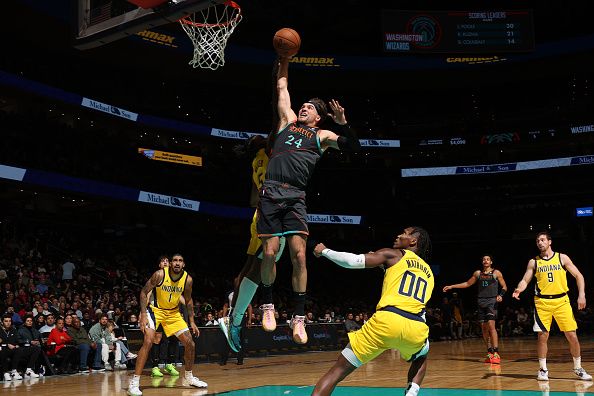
x=190 y=306
x=463 y=285
x=154 y=280
x=579 y=278
x=357 y=261
x=523 y=284
x=285 y=113
x=345 y=138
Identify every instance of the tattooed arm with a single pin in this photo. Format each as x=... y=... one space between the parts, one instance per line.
x=154 y=280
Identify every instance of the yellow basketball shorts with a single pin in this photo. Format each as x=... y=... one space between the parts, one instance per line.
x=171 y=321
x=558 y=308
x=254 y=248
x=388 y=330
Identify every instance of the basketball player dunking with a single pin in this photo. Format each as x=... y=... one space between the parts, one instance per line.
x=168 y=285
x=489 y=296
x=551 y=301
x=297 y=147
x=399 y=321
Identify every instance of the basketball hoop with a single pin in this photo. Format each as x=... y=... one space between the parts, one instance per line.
x=209 y=30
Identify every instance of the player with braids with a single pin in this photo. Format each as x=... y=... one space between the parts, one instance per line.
x=399 y=321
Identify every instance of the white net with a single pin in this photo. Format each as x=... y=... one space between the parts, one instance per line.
x=209 y=31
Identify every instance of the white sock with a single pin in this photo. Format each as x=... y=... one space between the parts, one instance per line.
x=189 y=374
x=247 y=290
x=412 y=390
x=135 y=379
x=577 y=362
x=543 y=363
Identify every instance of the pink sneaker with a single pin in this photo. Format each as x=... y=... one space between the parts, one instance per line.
x=298 y=326
x=268 y=320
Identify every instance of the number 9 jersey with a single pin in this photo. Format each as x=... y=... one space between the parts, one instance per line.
x=408 y=284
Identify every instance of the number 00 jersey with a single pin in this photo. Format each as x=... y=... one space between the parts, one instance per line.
x=294 y=155
x=408 y=284
x=167 y=293
x=551 y=276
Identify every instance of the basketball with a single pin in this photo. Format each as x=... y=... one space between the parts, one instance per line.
x=286 y=42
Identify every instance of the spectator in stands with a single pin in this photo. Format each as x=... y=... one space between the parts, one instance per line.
x=50 y=323
x=522 y=320
x=350 y=324
x=10 y=345
x=210 y=320
x=87 y=322
x=16 y=318
x=37 y=308
x=99 y=334
x=309 y=318
x=68 y=270
x=30 y=346
x=82 y=342
x=60 y=346
x=39 y=321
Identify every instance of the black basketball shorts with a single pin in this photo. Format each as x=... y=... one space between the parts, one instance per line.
x=281 y=210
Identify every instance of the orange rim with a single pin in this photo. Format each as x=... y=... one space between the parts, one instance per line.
x=228 y=3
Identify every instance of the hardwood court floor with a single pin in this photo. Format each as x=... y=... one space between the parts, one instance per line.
x=455 y=368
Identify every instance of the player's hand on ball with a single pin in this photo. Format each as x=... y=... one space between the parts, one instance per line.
x=318 y=249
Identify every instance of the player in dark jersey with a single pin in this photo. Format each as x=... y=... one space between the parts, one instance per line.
x=295 y=150
x=489 y=294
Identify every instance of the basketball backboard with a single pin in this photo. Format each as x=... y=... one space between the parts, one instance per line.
x=103 y=21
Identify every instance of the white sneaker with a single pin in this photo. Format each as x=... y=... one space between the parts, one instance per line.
x=194 y=381
x=134 y=390
x=131 y=356
x=7 y=377
x=108 y=367
x=543 y=375
x=581 y=373
x=122 y=366
x=31 y=374
x=16 y=376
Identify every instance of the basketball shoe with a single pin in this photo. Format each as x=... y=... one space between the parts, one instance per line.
x=496 y=359
x=298 y=326
x=489 y=357
x=268 y=319
x=156 y=372
x=543 y=375
x=231 y=333
x=170 y=369
x=134 y=387
x=581 y=373
x=190 y=380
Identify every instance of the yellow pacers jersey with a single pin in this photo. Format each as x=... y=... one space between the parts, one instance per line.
x=551 y=276
x=408 y=284
x=167 y=294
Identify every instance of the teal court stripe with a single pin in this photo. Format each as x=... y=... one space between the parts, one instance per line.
x=282 y=390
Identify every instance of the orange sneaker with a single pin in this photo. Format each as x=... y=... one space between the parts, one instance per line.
x=489 y=358
x=496 y=359
x=268 y=319
x=298 y=326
